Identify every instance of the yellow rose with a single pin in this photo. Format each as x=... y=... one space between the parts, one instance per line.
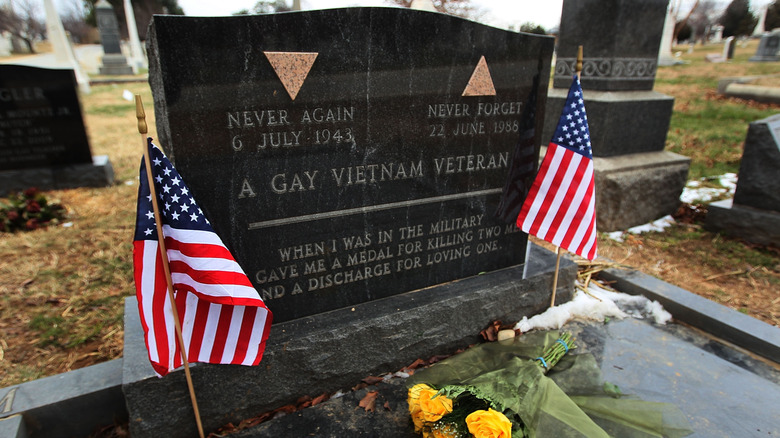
x=489 y=424
x=418 y=420
x=414 y=396
x=434 y=407
x=414 y=405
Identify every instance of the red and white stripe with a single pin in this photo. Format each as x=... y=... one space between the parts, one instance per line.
x=223 y=318
x=560 y=207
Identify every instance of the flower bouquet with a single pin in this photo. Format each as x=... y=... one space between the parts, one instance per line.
x=29 y=211
x=503 y=389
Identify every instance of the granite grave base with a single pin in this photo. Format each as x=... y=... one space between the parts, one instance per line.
x=749 y=223
x=115 y=64
x=655 y=178
x=98 y=174
x=72 y=404
x=621 y=122
x=331 y=351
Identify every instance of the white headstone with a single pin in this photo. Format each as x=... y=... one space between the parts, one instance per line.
x=138 y=57
x=728 y=48
x=759 y=30
x=423 y=5
x=718 y=37
x=665 y=56
x=63 y=51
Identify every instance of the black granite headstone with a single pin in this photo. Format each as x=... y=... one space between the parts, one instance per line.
x=620 y=38
x=754 y=213
x=759 y=185
x=114 y=63
x=349 y=155
x=40 y=119
x=108 y=27
x=769 y=48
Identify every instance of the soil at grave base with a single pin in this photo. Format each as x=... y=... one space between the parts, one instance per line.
x=742 y=287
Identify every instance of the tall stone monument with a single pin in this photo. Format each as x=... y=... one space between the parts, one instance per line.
x=636 y=180
x=114 y=63
x=354 y=161
x=754 y=213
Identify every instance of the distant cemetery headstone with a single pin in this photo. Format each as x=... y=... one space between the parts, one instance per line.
x=769 y=48
x=754 y=214
x=40 y=119
x=43 y=142
x=728 y=52
x=759 y=185
x=338 y=172
x=114 y=63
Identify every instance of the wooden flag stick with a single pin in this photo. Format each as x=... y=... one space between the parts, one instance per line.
x=577 y=71
x=142 y=129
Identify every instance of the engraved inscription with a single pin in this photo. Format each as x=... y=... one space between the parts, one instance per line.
x=469 y=120
x=312 y=267
x=271 y=129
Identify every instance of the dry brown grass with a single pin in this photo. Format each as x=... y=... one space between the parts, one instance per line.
x=62 y=288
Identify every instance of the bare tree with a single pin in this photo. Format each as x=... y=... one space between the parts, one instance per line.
x=682 y=23
x=73 y=16
x=22 y=20
x=702 y=19
x=460 y=8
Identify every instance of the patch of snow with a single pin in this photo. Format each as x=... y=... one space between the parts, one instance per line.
x=657 y=225
x=729 y=181
x=606 y=304
x=616 y=235
x=693 y=191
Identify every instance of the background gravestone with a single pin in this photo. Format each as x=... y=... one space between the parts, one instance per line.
x=754 y=213
x=43 y=142
x=628 y=122
x=114 y=63
x=354 y=176
x=768 y=48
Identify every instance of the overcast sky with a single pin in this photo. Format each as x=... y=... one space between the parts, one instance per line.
x=499 y=13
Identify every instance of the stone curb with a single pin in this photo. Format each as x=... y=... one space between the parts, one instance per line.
x=742 y=330
x=65 y=405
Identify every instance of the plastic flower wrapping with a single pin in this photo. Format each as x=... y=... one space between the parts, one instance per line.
x=530 y=387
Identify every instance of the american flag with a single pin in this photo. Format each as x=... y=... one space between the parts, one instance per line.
x=561 y=205
x=223 y=318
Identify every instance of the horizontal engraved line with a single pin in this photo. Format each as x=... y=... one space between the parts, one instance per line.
x=368 y=209
x=594 y=78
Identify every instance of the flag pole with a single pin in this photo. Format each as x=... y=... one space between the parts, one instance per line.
x=577 y=71
x=142 y=129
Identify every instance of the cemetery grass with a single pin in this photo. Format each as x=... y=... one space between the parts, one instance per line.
x=62 y=289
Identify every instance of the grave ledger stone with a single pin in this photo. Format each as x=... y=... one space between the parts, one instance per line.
x=754 y=213
x=43 y=142
x=628 y=121
x=353 y=161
